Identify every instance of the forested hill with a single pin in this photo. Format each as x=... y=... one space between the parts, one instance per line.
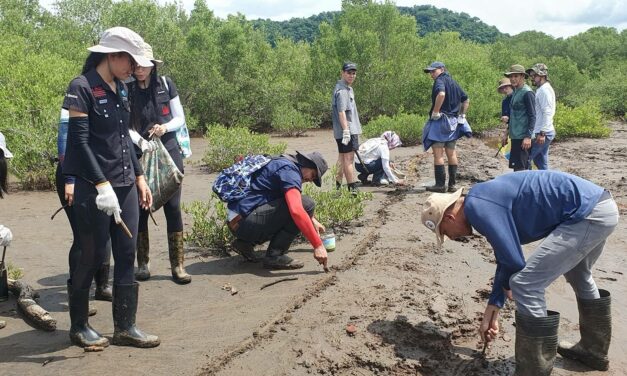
x=429 y=19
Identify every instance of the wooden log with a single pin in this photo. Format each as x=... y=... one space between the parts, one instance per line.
x=26 y=296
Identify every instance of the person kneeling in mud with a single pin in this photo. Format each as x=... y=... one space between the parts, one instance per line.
x=274 y=209
x=575 y=218
x=375 y=156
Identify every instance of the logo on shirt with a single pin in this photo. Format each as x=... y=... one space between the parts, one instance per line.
x=165 y=110
x=71 y=96
x=98 y=92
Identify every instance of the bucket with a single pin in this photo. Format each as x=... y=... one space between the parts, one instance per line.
x=328 y=240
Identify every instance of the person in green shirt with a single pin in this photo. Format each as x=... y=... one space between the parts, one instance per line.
x=522 y=118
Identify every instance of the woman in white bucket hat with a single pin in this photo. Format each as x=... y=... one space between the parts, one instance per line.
x=157 y=110
x=109 y=184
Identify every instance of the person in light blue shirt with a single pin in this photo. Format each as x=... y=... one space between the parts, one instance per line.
x=574 y=217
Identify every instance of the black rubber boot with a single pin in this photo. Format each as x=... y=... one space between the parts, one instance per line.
x=103 y=289
x=245 y=249
x=124 y=310
x=352 y=188
x=595 y=327
x=81 y=333
x=452 y=178
x=143 y=256
x=440 y=179
x=175 y=248
x=276 y=259
x=338 y=185
x=536 y=344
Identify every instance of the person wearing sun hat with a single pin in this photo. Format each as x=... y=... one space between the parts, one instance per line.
x=109 y=182
x=157 y=111
x=522 y=118
x=375 y=154
x=274 y=210
x=544 y=130
x=575 y=218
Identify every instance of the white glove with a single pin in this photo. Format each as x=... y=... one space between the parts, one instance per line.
x=436 y=116
x=461 y=119
x=346 y=136
x=107 y=201
x=147 y=146
x=5 y=236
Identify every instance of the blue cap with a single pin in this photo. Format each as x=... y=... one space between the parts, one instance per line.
x=435 y=65
x=349 y=66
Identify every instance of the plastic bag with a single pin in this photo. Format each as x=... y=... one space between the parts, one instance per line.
x=162 y=175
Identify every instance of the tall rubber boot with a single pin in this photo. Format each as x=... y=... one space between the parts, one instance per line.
x=143 y=256
x=126 y=333
x=440 y=179
x=452 y=178
x=595 y=327
x=81 y=333
x=175 y=248
x=536 y=344
x=103 y=289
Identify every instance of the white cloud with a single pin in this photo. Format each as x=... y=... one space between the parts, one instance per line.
x=560 y=18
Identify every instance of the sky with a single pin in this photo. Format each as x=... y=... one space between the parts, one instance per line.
x=559 y=18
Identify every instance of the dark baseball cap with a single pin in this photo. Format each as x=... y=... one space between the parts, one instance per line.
x=349 y=66
x=313 y=160
x=435 y=65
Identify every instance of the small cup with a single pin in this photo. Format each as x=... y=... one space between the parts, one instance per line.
x=328 y=240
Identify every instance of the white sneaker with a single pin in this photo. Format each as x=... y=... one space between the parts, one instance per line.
x=384 y=182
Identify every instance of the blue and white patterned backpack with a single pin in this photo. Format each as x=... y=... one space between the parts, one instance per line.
x=233 y=183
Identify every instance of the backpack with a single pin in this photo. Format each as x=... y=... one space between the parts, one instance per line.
x=233 y=183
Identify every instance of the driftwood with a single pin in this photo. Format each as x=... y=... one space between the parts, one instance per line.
x=26 y=303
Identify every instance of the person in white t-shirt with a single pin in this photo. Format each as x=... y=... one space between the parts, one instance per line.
x=544 y=130
x=375 y=154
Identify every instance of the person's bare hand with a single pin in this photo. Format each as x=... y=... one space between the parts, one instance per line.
x=318 y=226
x=489 y=328
x=145 y=196
x=159 y=130
x=69 y=193
x=504 y=139
x=526 y=143
x=508 y=294
x=320 y=254
x=540 y=139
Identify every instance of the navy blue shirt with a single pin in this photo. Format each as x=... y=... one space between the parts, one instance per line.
x=268 y=184
x=109 y=141
x=505 y=105
x=454 y=94
x=522 y=207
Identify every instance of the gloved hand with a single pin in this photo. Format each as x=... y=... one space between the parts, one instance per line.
x=107 y=201
x=147 y=146
x=436 y=115
x=5 y=236
x=461 y=119
x=346 y=136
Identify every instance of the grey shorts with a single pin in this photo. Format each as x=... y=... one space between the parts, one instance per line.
x=447 y=144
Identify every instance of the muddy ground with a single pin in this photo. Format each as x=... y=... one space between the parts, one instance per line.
x=414 y=307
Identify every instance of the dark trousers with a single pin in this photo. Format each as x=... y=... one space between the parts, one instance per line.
x=75 y=250
x=272 y=221
x=172 y=208
x=95 y=228
x=375 y=168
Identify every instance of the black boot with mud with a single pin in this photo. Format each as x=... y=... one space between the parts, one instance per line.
x=440 y=180
x=175 y=249
x=278 y=261
x=536 y=344
x=103 y=289
x=595 y=326
x=143 y=256
x=81 y=333
x=126 y=333
x=452 y=178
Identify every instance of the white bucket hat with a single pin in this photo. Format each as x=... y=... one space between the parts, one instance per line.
x=122 y=39
x=3 y=147
x=147 y=52
x=433 y=211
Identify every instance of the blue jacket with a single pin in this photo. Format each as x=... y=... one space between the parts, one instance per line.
x=522 y=207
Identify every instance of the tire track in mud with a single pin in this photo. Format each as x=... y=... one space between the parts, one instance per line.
x=266 y=331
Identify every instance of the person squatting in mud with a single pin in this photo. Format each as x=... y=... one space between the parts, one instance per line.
x=157 y=110
x=274 y=209
x=447 y=123
x=575 y=218
x=109 y=183
x=375 y=156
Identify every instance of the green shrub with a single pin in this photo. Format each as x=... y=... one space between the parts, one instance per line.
x=225 y=144
x=582 y=121
x=289 y=121
x=209 y=229
x=407 y=126
x=335 y=208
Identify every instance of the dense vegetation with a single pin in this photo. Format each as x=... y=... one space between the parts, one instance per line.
x=228 y=73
